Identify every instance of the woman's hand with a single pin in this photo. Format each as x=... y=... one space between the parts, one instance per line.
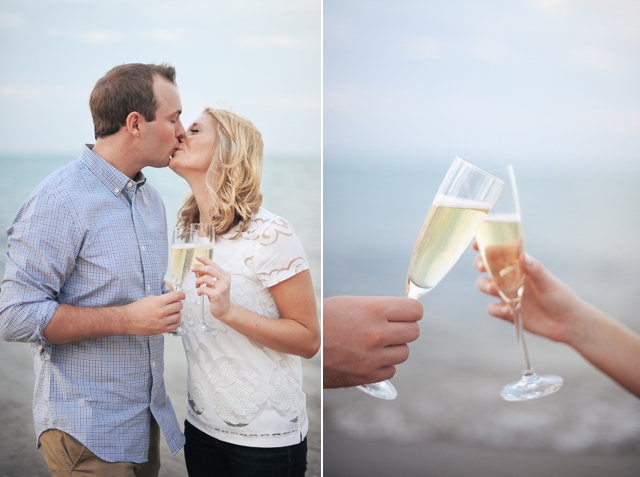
x=549 y=307
x=218 y=286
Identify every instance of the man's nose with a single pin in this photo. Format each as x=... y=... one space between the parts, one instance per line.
x=180 y=132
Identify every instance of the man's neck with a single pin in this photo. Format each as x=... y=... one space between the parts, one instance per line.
x=111 y=150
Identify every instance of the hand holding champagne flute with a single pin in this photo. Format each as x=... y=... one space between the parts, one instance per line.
x=181 y=261
x=500 y=241
x=461 y=204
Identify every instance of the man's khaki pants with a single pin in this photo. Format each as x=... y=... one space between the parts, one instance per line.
x=67 y=457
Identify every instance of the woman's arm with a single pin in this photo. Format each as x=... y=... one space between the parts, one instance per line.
x=296 y=332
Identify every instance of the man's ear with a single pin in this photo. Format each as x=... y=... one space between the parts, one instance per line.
x=133 y=121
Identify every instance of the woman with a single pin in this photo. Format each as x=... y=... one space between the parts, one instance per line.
x=246 y=409
x=551 y=309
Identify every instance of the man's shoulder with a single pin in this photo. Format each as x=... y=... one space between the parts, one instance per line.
x=59 y=180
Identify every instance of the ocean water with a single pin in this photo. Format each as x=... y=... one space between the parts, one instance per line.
x=291 y=189
x=584 y=225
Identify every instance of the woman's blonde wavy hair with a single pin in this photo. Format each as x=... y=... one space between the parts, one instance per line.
x=233 y=177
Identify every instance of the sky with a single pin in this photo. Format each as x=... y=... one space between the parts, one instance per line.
x=496 y=81
x=260 y=58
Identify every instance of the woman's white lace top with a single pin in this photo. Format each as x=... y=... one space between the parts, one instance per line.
x=239 y=391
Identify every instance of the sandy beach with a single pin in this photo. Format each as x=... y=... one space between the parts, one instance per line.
x=449 y=459
x=21 y=458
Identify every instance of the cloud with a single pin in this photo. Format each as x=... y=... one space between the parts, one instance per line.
x=166 y=36
x=274 y=41
x=20 y=92
x=555 y=7
x=491 y=50
x=101 y=37
x=562 y=7
x=291 y=102
x=11 y=20
x=596 y=58
x=422 y=47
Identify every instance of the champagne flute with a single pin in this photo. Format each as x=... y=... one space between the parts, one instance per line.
x=204 y=236
x=500 y=240
x=461 y=204
x=182 y=251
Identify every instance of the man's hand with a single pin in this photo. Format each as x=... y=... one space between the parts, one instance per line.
x=153 y=315
x=366 y=337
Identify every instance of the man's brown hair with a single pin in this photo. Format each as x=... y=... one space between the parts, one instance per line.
x=124 y=89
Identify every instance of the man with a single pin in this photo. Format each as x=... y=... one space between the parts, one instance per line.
x=364 y=338
x=87 y=253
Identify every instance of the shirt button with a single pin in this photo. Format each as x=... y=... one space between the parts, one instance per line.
x=148 y=287
x=116 y=190
x=129 y=185
x=153 y=364
x=151 y=404
x=142 y=247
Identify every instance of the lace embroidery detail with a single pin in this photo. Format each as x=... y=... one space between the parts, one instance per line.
x=295 y=263
x=284 y=397
x=238 y=393
x=271 y=230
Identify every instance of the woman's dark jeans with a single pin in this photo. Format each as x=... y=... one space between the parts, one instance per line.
x=208 y=456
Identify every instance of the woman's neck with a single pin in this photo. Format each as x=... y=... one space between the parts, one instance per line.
x=204 y=201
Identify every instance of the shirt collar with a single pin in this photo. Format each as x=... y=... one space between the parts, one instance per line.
x=111 y=177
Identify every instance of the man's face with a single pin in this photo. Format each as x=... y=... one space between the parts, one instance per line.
x=162 y=136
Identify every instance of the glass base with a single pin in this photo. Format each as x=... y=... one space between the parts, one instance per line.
x=414 y=291
x=179 y=331
x=531 y=386
x=381 y=390
x=206 y=328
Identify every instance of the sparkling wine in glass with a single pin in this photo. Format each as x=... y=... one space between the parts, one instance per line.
x=500 y=240
x=204 y=237
x=458 y=209
x=181 y=261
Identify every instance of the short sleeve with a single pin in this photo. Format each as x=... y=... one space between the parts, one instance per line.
x=279 y=254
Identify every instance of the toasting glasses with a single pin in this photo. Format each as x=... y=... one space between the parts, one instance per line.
x=500 y=241
x=461 y=204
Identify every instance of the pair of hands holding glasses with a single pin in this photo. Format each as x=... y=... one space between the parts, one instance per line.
x=471 y=201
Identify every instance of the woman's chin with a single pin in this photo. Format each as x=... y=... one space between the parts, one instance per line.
x=174 y=165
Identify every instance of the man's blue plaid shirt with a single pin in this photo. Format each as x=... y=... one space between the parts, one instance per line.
x=89 y=236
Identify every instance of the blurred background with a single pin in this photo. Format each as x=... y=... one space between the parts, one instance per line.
x=550 y=86
x=260 y=59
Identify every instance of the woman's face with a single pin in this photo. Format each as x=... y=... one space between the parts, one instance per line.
x=193 y=157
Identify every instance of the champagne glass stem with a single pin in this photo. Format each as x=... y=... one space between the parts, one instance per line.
x=515 y=311
x=202 y=310
x=531 y=385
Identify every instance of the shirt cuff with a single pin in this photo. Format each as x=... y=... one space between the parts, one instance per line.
x=43 y=346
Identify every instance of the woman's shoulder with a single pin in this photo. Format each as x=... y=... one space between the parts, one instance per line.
x=267 y=228
x=265 y=220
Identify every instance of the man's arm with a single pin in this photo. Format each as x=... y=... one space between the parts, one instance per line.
x=43 y=244
x=366 y=337
x=149 y=316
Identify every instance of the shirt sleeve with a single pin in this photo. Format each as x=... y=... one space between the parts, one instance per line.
x=43 y=243
x=279 y=254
